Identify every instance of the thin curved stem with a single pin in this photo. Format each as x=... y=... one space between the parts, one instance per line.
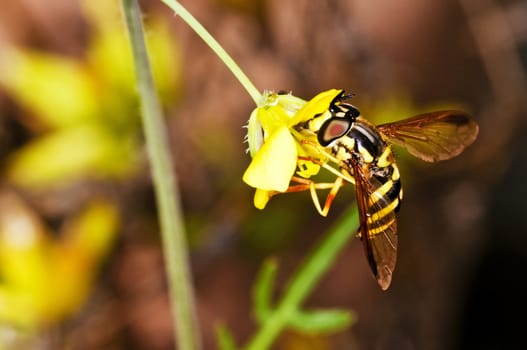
x=216 y=47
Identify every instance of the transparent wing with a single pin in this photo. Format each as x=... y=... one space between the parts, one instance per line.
x=433 y=136
x=378 y=227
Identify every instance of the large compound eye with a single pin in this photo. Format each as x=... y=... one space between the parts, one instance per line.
x=332 y=129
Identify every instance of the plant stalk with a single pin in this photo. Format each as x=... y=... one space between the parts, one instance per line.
x=306 y=279
x=167 y=195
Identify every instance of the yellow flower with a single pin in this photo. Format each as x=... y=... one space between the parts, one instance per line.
x=277 y=148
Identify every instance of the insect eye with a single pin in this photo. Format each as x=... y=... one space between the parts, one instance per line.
x=332 y=129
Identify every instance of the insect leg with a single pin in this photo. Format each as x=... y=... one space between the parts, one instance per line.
x=330 y=197
x=320 y=150
x=331 y=169
x=305 y=184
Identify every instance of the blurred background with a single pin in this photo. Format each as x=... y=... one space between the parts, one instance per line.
x=80 y=259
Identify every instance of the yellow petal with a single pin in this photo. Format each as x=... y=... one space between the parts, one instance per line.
x=84 y=151
x=59 y=91
x=261 y=197
x=274 y=164
x=318 y=104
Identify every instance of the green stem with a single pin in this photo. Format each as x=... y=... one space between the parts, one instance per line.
x=306 y=279
x=167 y=195
x=216 y=47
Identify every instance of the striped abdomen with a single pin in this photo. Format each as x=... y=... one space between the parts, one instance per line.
x=364 y=145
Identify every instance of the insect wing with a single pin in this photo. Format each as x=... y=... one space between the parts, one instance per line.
x=433 y=136
x=378 y=227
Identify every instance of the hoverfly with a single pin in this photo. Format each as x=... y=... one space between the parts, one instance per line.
x=362 y=153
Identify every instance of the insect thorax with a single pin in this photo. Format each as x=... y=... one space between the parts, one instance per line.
x=364 y=145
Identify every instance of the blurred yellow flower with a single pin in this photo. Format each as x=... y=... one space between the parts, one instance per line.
x=83 y=112
x=45 y=279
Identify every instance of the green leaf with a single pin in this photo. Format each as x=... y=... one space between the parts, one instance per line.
x=263 y=290
x=321 y=321
x=224 y=338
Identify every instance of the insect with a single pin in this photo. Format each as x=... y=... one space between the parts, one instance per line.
x=363 y=156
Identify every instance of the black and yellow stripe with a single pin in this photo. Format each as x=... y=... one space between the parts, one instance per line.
x=363 y=144
x=364 y=154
